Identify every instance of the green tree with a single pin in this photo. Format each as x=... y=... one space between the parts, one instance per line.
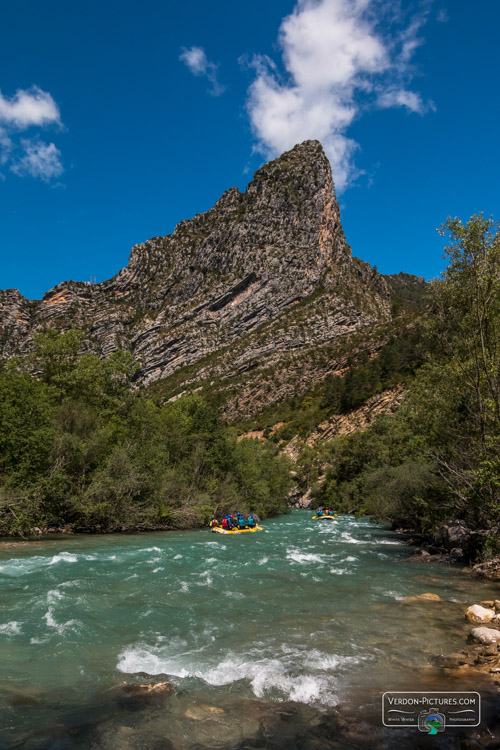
x=465 y=379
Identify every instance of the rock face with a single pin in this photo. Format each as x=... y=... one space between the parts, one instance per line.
x=262 y=275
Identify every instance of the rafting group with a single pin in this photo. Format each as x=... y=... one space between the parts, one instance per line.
x=323 y=514
x=235 y=524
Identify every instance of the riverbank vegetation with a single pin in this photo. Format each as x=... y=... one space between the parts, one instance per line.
x=439 y=455
x=81 y=450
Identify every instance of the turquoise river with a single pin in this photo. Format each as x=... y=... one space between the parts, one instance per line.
x=285 y=638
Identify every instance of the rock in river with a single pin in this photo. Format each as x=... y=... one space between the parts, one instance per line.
x=423 y=597
x=485 y=635
x=478 y=615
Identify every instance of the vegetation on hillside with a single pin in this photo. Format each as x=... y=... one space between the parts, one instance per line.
x=80 y=449
x=365 y=376
x=439 y=455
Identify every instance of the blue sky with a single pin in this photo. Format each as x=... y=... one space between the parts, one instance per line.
x=119 y=119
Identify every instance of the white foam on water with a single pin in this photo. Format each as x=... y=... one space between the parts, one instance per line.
x=351 y=558
x=63 y=557
x=303 y=557
x=178 y=557
x=156 y=570
x=270 y=676
x=302 y=675
x=152 y=549
x=346 y=537
x=211 y=560
x=11 y=628
x=62 y=627
x=395 y=595
x=341 y=571
x=184 y=586
x=234 y=594
x=263 y=561
x=208 y=579
x=54 y=595
x=20 y=566
x=142 y=659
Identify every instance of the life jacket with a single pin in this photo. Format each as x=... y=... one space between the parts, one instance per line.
x=225 y=523
x=251 y=521
x=241 y=522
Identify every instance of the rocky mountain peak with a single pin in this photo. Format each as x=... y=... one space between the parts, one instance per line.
x=220 y=277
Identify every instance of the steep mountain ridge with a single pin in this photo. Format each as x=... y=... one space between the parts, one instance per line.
x=263 y=276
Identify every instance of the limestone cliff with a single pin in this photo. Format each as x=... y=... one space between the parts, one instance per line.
x=262 y=277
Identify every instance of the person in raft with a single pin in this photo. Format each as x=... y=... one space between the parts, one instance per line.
x=241 y=522
x=251 y=521
x=319 y=512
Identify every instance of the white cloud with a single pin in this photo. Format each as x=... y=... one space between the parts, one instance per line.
x=443 y=16
x=40 y=159
x=337 y=64
x=401 y=98
x=32 y=157
x=6 y=146
x=27 y=108
x=196 y=60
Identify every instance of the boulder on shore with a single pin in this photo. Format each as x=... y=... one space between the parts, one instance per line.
x=485 y=635
x=459 y=540
x=490 y=569
x=478 y=614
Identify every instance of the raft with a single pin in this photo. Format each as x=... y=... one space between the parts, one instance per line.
x=325 y=518
x=220 y=530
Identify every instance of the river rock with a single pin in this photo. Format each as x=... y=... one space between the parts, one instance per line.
x=423 y=597
x=133 y=697
x=478 y=614
x=202 y=713
x=485 y=635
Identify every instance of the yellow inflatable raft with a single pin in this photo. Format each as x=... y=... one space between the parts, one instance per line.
x=220 y=530
x=325 y=518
